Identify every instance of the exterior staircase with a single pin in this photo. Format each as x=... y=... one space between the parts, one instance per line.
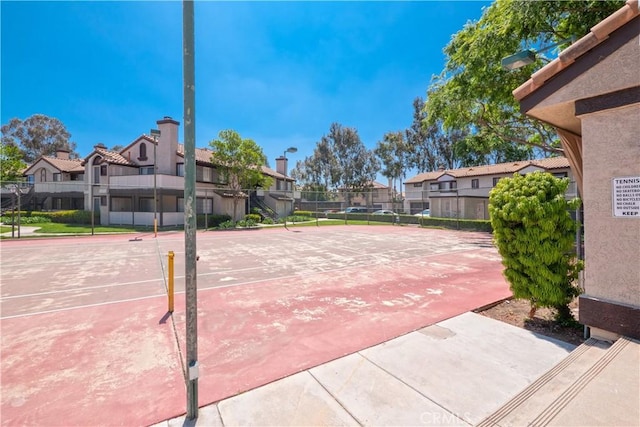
x=266 y=211
x=598 y=384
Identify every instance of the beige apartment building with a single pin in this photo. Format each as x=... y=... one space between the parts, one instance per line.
x=464 y=193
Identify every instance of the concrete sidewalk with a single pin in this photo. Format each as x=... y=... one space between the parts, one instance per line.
x=456 y=372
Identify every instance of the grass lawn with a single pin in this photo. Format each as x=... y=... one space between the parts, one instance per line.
x=56 y=228
x=323 y=222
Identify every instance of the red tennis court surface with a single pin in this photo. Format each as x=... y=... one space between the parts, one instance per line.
x=86 y=339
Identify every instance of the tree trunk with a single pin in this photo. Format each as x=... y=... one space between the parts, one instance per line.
x=532 y=312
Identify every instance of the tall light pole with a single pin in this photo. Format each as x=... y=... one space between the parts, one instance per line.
x=155 y=134
x=288 y=150
x=191 y=288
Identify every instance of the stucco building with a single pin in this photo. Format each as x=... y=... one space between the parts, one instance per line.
x=591 y=95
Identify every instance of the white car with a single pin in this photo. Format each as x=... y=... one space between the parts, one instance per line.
x=425 y=212
x=384 y=212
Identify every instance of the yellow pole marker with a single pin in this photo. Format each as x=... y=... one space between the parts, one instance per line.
x=155 y=227
x=171 y=255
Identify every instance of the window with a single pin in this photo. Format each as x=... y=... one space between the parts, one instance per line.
x=180 y=169
x=495 y=180
x=204 y=174
x=96 y=174
x=57 y=177
x=417 y=185
x=146 y=170
x=146 y=204
x=43 y=175
x=103 y=200
x=560 y=175
x=453 y=185
x=204 y=206
x=30 y=179
x=121 y=204
x=143 y=151
x=475 y=183
x=103 y=170
x=180 y=205
x=434 y=186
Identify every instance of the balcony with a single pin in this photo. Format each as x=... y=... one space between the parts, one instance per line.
x=171 y=182
x=59 y=187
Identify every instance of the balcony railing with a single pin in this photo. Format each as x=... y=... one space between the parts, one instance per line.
x=59 y=187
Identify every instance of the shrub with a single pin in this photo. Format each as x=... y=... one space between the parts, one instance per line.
x=303 y=213
x=61 y=217
x=253 y=217
x=226 y=225
x=24 y=220
x=534 y=233
x=267 y=220
x=297 y=218
x=246 y=223
x=213 y=220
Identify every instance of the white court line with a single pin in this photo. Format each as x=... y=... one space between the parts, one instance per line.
x=62 y=291
x=114 y=285
x=276 y=280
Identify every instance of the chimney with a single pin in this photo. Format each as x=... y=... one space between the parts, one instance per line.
x=100 y=145
x=281 y=165
x=62 y=153
x=167 y=145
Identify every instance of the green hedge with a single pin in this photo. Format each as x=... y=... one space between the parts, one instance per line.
x=213 y=220
x=456 y=224
x=303 y=213
x=60 y=217
x=426 y=221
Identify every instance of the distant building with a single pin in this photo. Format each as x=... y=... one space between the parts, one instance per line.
x=119 y=185
x=464 y=192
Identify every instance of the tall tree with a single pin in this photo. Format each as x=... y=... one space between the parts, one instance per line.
x=355 y=166
x=340 y=160
x=392 y=153
x=473 y=92
x=11 y=164
x=38 y=135
x=239 y=162
x=430 y=146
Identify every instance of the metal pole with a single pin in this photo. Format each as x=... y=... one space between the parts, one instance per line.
x=13 y=218
x=171 y=283
x=93 y=221
x=155 y=187
x=191 y=289
x=19 y=209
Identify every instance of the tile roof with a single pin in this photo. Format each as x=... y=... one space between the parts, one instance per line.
x=597 y=35
x=66 y=165
x=111 y=157
x=203 y=155
x=497 y=169
x=275 y=174
x=63 y=165
x=147 y=138
x=424 y=176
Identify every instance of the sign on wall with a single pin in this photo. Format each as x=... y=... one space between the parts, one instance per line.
x=626 y=197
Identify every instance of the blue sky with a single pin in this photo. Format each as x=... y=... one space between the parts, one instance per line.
x=277 y=72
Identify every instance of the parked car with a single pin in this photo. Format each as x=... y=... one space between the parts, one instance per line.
x=425 y=212
x=355 y=209
x=384 y=212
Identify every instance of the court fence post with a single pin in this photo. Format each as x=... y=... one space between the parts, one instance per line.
x=171 y=255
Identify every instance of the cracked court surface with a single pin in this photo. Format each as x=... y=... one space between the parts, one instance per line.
x=86 y=317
